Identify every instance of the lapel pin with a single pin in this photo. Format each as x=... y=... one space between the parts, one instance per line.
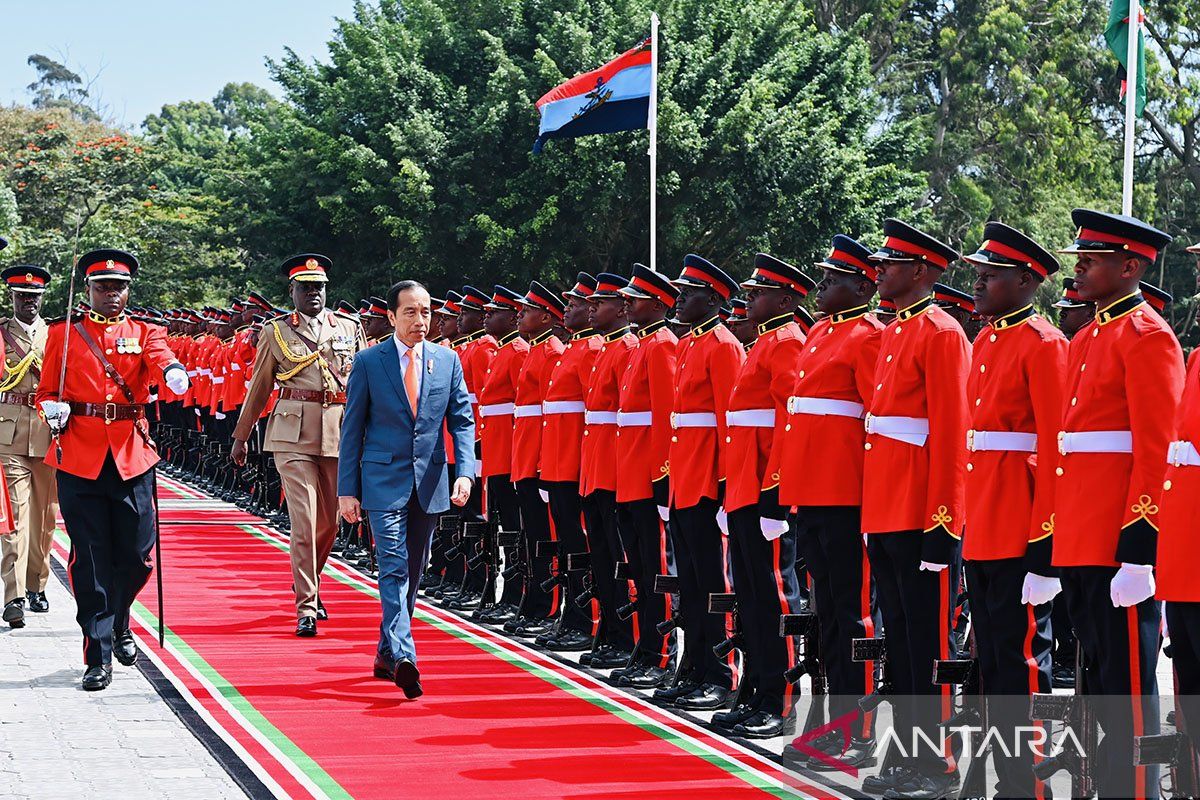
x=429 y=366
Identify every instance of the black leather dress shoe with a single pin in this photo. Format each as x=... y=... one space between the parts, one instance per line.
x=729 y=719
x=322 y=614
x=705 y=697
x=306 y=626
x=887 y=780
x=14 y=613
x=924 y=787
x=611 y=658
x=669 y=694
x=765 y=725
x=567 y=640
x=464 y=601
x=533 y=628
x=385 y=666
x=430 y=581
x=860 y=754
x=125 y=648
x=408 y=678
x=495 y=615
x=97 y=678
x=37 y=602
x=649 y=678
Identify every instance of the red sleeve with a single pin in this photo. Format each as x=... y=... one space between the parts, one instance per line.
x=785 y=360
x=864 y=367
x=51 y=365
x=1047 y=369
x=1154 y=380
x=948 y=360
x=661 y=366
x=727 y=358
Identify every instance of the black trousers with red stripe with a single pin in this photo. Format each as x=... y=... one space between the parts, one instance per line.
x=604 y=542
x=536 y=603
x=1119 y=648
x=917 y=608
x=764 y=579
x=566 y=509
x=503 y=506
x=832 y=546
x=644 y=536
x=1013 y=647
x=701 y=563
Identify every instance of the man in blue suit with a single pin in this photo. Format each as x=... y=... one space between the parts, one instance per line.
x=392 y=463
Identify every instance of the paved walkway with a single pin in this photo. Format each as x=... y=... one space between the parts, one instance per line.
x=57 y=741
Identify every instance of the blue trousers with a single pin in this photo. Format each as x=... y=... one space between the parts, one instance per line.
x=402 y=539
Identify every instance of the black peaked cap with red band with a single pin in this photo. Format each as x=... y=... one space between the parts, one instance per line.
x=737 y=308
x=700 y=272
x=307 y=267
x=849 y=255
x=504 y=299
x=1070 y=298
x=903 y=242
x=1158 y=298
x=608 y=286
x=585 y=285
x=804 y=319
x=474 y=299
x=772 y=273
x=542 y=298
x=257 y=299
x=945 y=296
x=1004 y=246
x=1193 y=248
x=646 y=284
x=452 y=306
x=108 y=265
x=1099 y=232
x=346 y=307
x=26 y=278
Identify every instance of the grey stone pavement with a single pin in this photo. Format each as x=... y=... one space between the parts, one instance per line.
x=57 y=741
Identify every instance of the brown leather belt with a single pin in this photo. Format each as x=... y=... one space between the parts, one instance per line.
x=109 y=411
x=313 y=396
x=17 y=398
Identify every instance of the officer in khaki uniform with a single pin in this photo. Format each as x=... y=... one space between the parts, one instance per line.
x=24 y=439
x=309 y=353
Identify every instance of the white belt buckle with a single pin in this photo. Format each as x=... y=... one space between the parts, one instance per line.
x=867 y=422
x=971 y=440
x=1062 y=450
x=674 y=425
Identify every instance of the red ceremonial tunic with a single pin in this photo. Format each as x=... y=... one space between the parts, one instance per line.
x=562 y=431
x=921 y=373
x=1124 y=374
x=648 y=387
x=1179 y=518
x=87 y=441
x=598 y=467
x=1015 y=385
x=838 y=364
x=763 y=386
x=544 y=351
x=499 y=395
x=709 y=358
x=478 y=351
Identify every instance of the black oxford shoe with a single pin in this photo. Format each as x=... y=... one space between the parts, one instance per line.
x=730 y=719
x=669 y=694
x=97 y=678
x=568 y=641
x=408 y=678
x=14 y=613
x=705 y=698
x=322 y=614
x=649 y=678
x=860 y=753
x=385 y=666
x=764 y=725
x=125 y=648
x=306 y=626
x=37 y=602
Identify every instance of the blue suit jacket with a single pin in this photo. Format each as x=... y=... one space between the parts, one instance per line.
x=384 y=452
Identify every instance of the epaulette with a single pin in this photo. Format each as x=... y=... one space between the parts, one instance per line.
x=345 y=316
x=57 y=320
x=1146 y=321
x=1046 y=330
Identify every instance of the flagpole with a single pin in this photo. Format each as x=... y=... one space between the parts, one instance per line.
x=652 y=124
x=1134 y=28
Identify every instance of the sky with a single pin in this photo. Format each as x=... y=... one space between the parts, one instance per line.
x=147 y=53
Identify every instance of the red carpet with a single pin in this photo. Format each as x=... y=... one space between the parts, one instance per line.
x=497 y=719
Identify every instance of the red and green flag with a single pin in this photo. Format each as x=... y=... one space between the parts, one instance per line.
x=1116 y=33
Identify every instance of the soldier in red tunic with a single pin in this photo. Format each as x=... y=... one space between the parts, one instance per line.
x=497 y=402
x=833 y=383
x=643 y=472
x=708 y=362
x=1124 y=380
x=598 y=470
x=1015 y=398
x=913 y=475
x=105 y=457
x=562 y=438
x=1178 y=519
x=541 y=310
x=762 y=544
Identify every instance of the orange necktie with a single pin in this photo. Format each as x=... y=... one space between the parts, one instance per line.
x=410 y=382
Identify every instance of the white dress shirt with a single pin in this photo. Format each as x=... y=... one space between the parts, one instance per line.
x=406 y=353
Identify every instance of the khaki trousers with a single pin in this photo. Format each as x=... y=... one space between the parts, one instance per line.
x=310 y=486
x=25 y=554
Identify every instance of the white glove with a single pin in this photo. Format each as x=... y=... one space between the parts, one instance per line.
x=56 y=414
x=176 y=380
x=664 y=513
x=1038 y=589
x=723 y=521
x=772 y=529
x=927 y=567
x=1132 y=584
x=542 y=493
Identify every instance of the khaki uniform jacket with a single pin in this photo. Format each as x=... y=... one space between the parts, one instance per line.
x=22 y=430
x=301 y=426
